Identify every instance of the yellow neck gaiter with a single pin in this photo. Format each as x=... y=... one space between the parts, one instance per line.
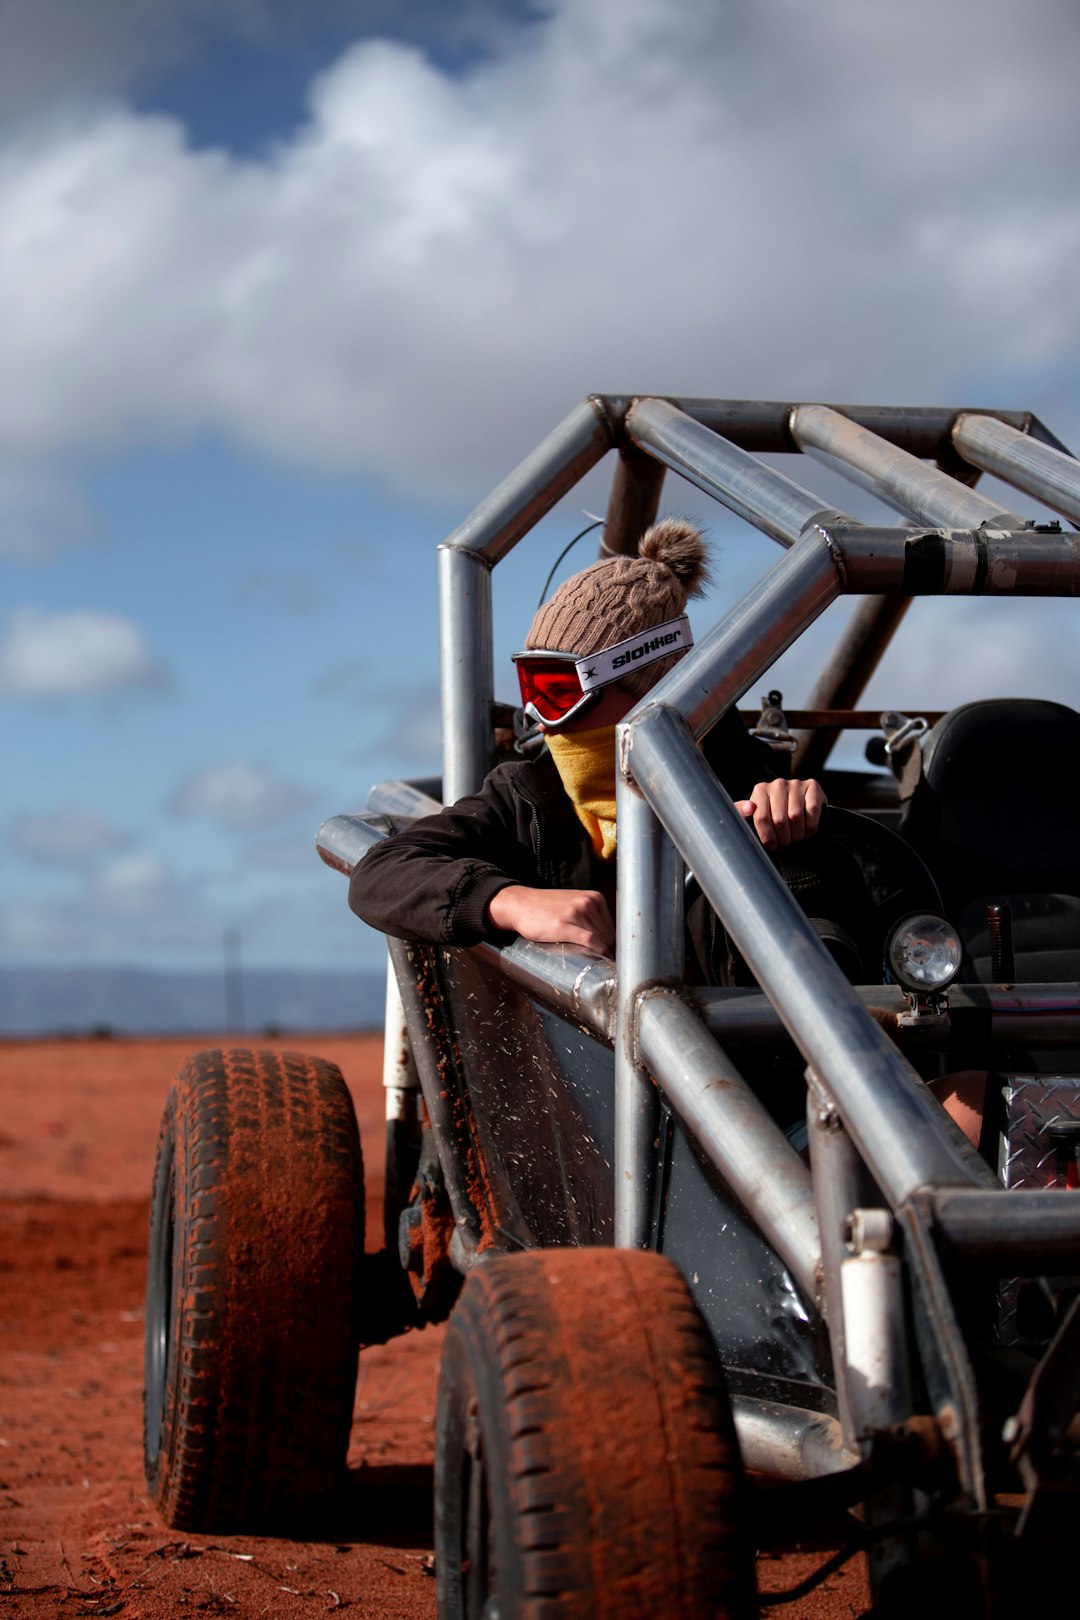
x=585 y=760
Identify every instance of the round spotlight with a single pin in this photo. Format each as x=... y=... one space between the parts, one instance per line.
x=923 y=953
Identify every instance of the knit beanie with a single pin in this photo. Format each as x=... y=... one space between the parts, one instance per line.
x=624 y=596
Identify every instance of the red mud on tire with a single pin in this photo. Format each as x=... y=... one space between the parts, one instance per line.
x=78 y=1533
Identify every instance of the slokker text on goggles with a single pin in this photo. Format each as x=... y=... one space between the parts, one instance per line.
x=557 y=687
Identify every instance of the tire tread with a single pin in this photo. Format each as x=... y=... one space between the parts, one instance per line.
x=268 y=1233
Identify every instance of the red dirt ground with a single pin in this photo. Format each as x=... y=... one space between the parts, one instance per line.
x=78 y=1129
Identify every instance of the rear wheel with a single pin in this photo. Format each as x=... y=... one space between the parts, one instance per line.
x=256 y=1233
x=586 y=1463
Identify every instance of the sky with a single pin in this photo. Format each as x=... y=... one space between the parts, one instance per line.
x=287 y=288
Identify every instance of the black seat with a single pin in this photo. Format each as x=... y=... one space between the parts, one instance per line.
x=994 y=815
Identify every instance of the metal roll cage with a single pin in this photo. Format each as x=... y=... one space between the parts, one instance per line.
x=868 y=1110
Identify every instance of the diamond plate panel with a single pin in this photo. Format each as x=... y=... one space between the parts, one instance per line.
x=1028 y=1158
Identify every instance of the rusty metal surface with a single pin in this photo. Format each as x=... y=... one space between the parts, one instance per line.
x=632 y=504
x=774 y=503
x=764 y=426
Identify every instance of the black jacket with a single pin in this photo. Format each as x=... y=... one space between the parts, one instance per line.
x=434 y=880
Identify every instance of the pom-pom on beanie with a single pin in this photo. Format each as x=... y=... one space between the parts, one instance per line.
x=622 y=596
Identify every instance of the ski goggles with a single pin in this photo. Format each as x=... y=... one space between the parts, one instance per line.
x=556 y=687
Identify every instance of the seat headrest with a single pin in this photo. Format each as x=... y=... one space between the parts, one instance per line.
x=996 y=806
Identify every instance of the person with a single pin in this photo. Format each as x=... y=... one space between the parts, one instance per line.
x=533 y=852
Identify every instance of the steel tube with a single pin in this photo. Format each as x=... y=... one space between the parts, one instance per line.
x=404 y=799
x=751 y=636
x=877 y=1377
x=343 y=841
x=533 y=488
x=633 y=503
x=439 y=1105
x=1043 y=1016
x=789 y=1442
x=736 y=1131
x=893 y=475
x=399 y=1065
x=958 y=562
x=1038 y=469
x=579 y=987
x=582 y=987
x=1028 y=1015
x=841 y=1185
x=754 y=491
x=649 y=950
x=1014 y=1231
x=843 y=680
x=875 y=1347
x=763 y=426
x=467 y=666
x=903 y=1135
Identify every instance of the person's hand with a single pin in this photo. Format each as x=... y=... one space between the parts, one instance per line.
x=784 y=812
x=555 y=916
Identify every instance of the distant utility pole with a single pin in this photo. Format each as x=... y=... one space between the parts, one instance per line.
x=234 y=983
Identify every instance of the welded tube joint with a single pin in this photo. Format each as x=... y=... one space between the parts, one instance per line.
x=734 y=1129
x=964 y=562
x=533 y=488
x=1039 y=469
x=755 y=491
x=747 y=641
x=894 y=475
x=898 y=1128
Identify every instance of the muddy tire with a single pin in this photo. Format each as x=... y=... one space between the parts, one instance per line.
x=586 y=1464
x=256 y=1233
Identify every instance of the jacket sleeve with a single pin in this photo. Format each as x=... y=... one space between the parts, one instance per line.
x=739 y=760
x=434 y=880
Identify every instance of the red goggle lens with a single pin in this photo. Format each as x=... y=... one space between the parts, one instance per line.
x=550 y=685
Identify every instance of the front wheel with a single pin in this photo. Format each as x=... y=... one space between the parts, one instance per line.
x=586 y=1463
x=256 y=1234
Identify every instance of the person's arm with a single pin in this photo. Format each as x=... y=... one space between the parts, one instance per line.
x=555 y=916
x=783 y=810
x=435 y=880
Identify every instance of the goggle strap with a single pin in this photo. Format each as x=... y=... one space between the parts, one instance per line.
x=635 y=652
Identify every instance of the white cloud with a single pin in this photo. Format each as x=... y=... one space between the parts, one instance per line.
x=132 y=907
x=768 y=200
x=55 y=51
x=956 y=650
x=238 y=794
x=39 y=513
x=133 y=883
x=73 y=836
x=63 y=654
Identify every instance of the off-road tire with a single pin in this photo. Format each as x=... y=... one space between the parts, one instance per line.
x=256 y=1234
x=586 y=1464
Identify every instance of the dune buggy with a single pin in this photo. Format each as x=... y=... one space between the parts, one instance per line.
x=678 y=1321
